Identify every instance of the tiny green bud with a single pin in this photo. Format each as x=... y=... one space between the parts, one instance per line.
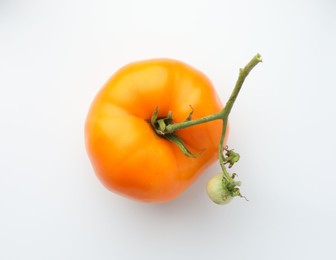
x=232 y=157
x=235 y=158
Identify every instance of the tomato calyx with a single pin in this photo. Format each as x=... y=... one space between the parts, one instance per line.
x=160 y=124
x=160 y=127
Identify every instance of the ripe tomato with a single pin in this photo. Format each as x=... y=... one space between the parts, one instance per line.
x=127 y=155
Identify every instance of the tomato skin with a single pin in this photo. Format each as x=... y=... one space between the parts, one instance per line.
x=127 y=155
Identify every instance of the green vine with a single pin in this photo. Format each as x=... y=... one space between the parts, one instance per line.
x=223 y=187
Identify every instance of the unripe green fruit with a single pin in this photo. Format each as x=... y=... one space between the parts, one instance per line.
x=218 y=191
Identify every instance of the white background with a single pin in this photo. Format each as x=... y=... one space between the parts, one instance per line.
x=55 y=56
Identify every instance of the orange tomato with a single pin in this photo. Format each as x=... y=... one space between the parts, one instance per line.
x=127 y=155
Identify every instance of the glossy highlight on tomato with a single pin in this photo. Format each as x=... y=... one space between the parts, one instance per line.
x=127 y=155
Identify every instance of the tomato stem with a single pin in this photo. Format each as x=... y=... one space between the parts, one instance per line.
x=222 y=188
x=223 y=114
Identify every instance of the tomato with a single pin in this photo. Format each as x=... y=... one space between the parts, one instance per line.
x=127 y=155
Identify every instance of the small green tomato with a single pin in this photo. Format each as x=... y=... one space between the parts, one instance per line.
x=217 y=190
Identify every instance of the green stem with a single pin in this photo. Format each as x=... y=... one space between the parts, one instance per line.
x=223 y=114
x=178 y=126
x=243 y=73
x=221 y=148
